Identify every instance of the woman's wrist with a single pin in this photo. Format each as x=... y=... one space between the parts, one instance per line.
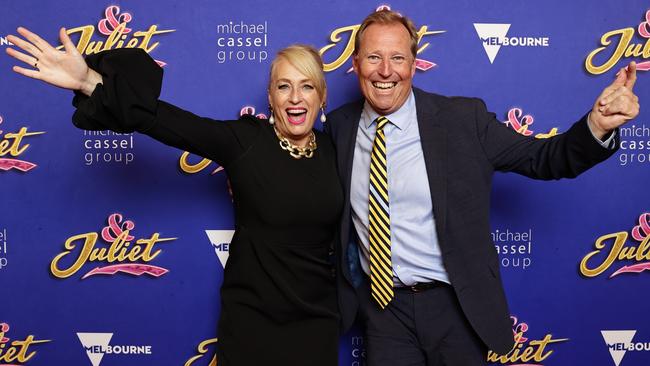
x=90 y=82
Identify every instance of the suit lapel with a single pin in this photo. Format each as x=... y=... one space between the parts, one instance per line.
x=348 y=141
x=345 y=144
x=433 y=137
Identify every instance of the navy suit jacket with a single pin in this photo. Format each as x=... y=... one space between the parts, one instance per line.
x=463 y=145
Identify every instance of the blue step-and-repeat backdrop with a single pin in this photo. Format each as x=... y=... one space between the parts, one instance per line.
x=75 y=289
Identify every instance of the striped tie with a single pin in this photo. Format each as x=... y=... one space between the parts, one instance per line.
x=381 y=269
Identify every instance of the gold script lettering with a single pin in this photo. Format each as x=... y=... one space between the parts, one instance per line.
x=18 y=350
x=14 y=148
x=115 y=40
x=625 y=36
x=550 y=133
x=195 y=168
x=619 y=239
x=202 y=350
x=335 y=38
x=534 y=351
x=118 y=251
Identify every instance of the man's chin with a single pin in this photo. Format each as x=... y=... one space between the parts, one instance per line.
x=383 y=109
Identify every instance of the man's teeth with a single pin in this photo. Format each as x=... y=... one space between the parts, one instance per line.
x=379 y=85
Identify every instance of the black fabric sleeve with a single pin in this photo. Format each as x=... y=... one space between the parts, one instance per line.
x=127 y=101
x=562 y=156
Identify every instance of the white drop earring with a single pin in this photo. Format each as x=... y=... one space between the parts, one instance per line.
x=323 y=119
x=271 y=118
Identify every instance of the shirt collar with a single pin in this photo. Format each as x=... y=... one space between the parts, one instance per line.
x=399 y=118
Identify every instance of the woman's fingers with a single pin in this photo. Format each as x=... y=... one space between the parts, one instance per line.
x=67 y=42
x=27 y=72
x=29 y=60
x=35 y=39
x=24 y=45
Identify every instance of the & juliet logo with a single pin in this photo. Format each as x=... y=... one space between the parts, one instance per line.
x=114 y=27
x=618 y=42
x=615 y=251
x=521 y=123
x=526 y=352
x=11 y=144
x=131 y=257
x=335 y=39
x=13 y=352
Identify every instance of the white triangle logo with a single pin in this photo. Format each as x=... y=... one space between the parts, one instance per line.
x=91 y=340
x=492 y=37
x=220 y=240
x=613 y=337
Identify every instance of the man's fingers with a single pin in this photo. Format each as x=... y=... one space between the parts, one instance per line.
x=625 y=105
x=29 y=60
x=26 y=72
x=631 y=75
x=614 y=95
x=621 y=78
x=24 y=45
x=67 y=42
x=35 y=39
x=619 y=81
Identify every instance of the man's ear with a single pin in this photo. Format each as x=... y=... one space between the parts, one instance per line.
x=355 y=63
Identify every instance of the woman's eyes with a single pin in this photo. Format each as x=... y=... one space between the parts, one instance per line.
x=287 y=87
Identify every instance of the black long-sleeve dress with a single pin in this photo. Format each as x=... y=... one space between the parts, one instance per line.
x=278 y=298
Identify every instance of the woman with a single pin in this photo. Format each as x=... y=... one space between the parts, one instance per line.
x=278 y=298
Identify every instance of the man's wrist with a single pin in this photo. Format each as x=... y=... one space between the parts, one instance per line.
x=596 y=131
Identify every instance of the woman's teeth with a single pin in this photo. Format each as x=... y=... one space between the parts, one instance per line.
x=297 y=115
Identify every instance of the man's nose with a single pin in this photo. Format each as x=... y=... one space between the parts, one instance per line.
x=385 y=68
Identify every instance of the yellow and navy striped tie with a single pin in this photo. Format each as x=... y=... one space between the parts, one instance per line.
x=381 y=269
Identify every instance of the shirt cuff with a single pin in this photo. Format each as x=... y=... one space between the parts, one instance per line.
x=608 y=142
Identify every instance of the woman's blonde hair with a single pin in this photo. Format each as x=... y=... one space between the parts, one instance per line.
x=307 y=61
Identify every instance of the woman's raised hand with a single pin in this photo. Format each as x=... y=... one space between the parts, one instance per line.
x=65 y=69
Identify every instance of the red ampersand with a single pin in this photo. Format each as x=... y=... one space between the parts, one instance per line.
x=115 y=228
x=518 y=330
x=641 y=231
x=107 y=25
x=516 y=121
x=644 y=27
x=4 y=328
x=250 y=110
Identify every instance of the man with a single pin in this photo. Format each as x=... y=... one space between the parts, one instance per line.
x=416 y=254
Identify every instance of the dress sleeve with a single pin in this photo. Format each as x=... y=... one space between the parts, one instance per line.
x=127 y=101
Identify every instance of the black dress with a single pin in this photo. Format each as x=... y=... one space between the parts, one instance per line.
x=278 y=298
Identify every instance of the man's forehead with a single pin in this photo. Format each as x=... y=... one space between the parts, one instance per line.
x=384 y=46
x=385 y=34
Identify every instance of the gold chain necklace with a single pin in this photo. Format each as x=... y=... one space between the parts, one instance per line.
x=297 y=152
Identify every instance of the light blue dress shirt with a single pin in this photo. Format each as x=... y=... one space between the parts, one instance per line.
x=415 y=251
x=416 y=256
